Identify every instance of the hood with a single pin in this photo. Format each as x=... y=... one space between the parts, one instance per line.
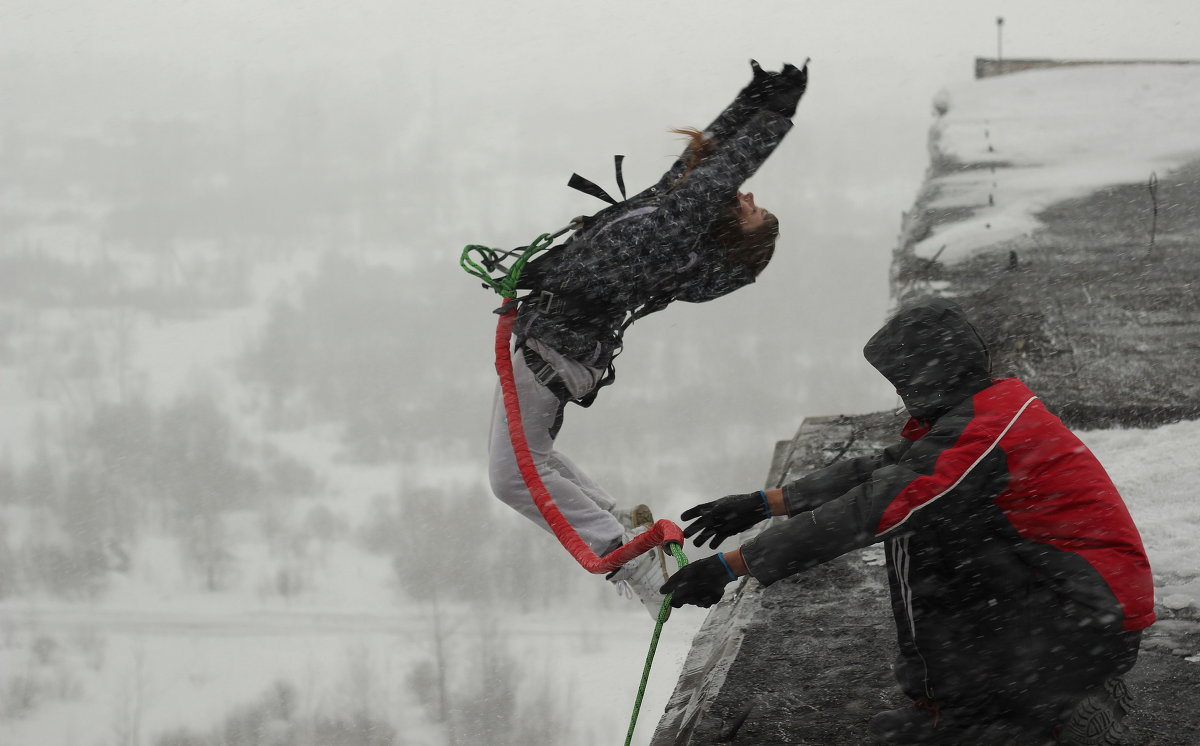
x=932 y=355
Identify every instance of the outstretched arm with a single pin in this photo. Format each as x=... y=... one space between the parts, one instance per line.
x=714 y=522
x=780 y=92
x=765 y=90
x=937 y=477
x=744 y=105
x=696 y=198
x=807 y=539
x=818 y=487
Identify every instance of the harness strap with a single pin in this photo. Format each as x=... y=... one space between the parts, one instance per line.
x=592 y=189
x=651 y=306
x=583 y=310
x=545 y=374
x=617 y=161
x=552 y=304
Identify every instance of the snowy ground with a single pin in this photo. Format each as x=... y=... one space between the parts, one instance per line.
x=129 y=675
x=1156 y=473
x=152 y=657
x=1053 y=135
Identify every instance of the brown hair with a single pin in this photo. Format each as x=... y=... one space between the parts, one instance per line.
x=698 y=148
x=751 y=248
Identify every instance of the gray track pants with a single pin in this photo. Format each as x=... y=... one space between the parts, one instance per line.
x=584 y=504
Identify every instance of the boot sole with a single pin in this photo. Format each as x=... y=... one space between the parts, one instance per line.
x=1097 y=718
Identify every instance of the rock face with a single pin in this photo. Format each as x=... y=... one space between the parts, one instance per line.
x=1102 y=324
x=1093 y=299
x=1098 y=310
x=807 y=660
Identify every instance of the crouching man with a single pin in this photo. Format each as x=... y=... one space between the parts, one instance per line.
x=1019 y=582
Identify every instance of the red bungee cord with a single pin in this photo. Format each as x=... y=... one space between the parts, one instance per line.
x=662 y=532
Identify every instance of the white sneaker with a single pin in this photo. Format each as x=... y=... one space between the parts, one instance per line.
x=641 y=576
x=631 y=518
x=640 y=515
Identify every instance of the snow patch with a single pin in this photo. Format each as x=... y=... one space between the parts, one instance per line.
x=1045 y=136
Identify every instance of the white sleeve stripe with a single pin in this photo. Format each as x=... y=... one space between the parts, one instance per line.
x=963 y=476
x=901 y=562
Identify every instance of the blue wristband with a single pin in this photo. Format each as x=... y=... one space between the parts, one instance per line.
x=728 y=569
x=766 y=504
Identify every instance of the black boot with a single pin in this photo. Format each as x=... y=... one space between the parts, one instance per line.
x=1096 y=718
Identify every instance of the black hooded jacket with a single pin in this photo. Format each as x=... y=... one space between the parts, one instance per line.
x=933 y=356
x=986 y=489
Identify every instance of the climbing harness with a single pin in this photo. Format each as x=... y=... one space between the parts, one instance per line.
x=661 y=533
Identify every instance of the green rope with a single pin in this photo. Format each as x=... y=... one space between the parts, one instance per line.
x=663 y=613
x=506 y=285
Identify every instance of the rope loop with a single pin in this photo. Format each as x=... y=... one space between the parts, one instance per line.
x=489 y=266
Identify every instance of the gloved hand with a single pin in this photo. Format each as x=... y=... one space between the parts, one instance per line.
x=786 y=88
x=720 y=519
x=760 y=88
x=761 y=79
x=701 y=583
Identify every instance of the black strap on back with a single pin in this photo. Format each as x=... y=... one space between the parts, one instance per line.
x=591 y=188
x=653 y=305
x=617 y=161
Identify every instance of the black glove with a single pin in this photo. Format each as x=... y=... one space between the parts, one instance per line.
x=701 y=583
x=720 y=519
x=761 y=79
x=786 y=88
x=761 y=87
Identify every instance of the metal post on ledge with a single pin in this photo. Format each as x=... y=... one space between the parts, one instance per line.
x=999 y=45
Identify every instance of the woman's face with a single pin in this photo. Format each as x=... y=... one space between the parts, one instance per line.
x=750 y=216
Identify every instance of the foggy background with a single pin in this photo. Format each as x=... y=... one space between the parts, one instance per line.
x=420 y=127
x=229 y=282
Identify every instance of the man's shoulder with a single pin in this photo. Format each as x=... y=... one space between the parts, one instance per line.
x=1003 y=393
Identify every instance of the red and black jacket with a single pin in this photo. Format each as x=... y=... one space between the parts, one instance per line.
x=988 y=491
